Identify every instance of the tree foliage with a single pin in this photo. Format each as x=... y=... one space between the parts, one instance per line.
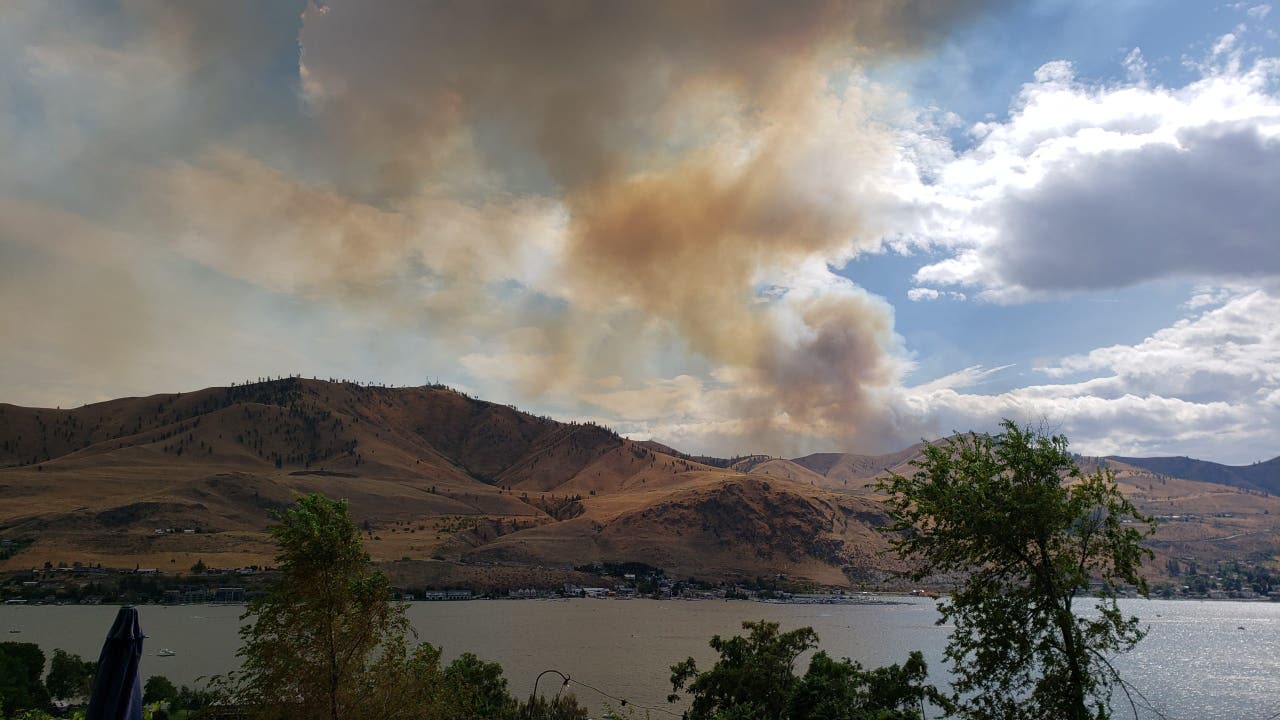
x=159 y=688
x=755 y=674
x=560 y=707
x=755 y=679
x=1014 y=517
x=70 y=676
x=473 y=689
x=326 y=639
x=842 y=690
x=21 y=667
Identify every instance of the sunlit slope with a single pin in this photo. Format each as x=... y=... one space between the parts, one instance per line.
x=1263 y=476
x=715 y=524
x=440 y=478
x=848 y=472
x=1222 y=515
x=431 y=473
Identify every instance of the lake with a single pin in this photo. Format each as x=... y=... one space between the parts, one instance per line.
x=1200 y=661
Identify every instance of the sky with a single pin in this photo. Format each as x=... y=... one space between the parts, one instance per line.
x=734 y=227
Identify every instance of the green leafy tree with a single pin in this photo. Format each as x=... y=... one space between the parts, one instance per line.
x=326 y=641
x=473 y=689
x=21 y=667
x=755 y=679
x=159 y=688
x=70 y=676
x=191 y=700
x=842 y=690
x=1014 y=517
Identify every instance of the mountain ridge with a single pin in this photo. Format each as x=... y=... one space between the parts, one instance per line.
x=1264 y=476
x=435 y=474
x=461 y=485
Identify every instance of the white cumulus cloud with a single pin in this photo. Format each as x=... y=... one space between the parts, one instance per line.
x=1207 y=386
x=1088 y=186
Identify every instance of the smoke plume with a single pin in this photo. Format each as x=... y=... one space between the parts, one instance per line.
x=589 y=199
x=705 y=160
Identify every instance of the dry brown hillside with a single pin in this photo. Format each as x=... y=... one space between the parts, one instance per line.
x=433 y=475
x=855 y=473
x=479 y=491
x=1198 y=522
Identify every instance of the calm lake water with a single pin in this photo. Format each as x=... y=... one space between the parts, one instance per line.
x=1200 y=661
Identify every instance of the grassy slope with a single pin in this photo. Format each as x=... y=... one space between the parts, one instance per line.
x=437 y=474
x=432 y=472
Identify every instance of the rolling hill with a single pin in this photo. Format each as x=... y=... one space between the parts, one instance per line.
x=455 y=489
x=1264 y=476
x=433 y=475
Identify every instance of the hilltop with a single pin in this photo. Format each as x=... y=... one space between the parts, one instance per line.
x=1261 y=476
x=433 y=475
x=450 y=488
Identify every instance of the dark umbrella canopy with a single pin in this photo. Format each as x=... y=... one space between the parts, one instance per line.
x=117 y=690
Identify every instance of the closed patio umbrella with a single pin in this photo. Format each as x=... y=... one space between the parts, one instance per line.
x=117 y=689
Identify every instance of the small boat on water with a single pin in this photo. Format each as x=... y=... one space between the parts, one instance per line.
x=14 y=631
x=165 y=652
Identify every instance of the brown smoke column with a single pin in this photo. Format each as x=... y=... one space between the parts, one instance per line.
x=697 y=150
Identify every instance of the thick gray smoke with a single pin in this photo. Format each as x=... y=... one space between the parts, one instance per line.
x=590 y=198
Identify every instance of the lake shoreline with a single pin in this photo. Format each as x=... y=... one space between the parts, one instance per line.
x=1196 y=655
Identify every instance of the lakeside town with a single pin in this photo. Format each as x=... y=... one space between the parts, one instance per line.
x=86 y=584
